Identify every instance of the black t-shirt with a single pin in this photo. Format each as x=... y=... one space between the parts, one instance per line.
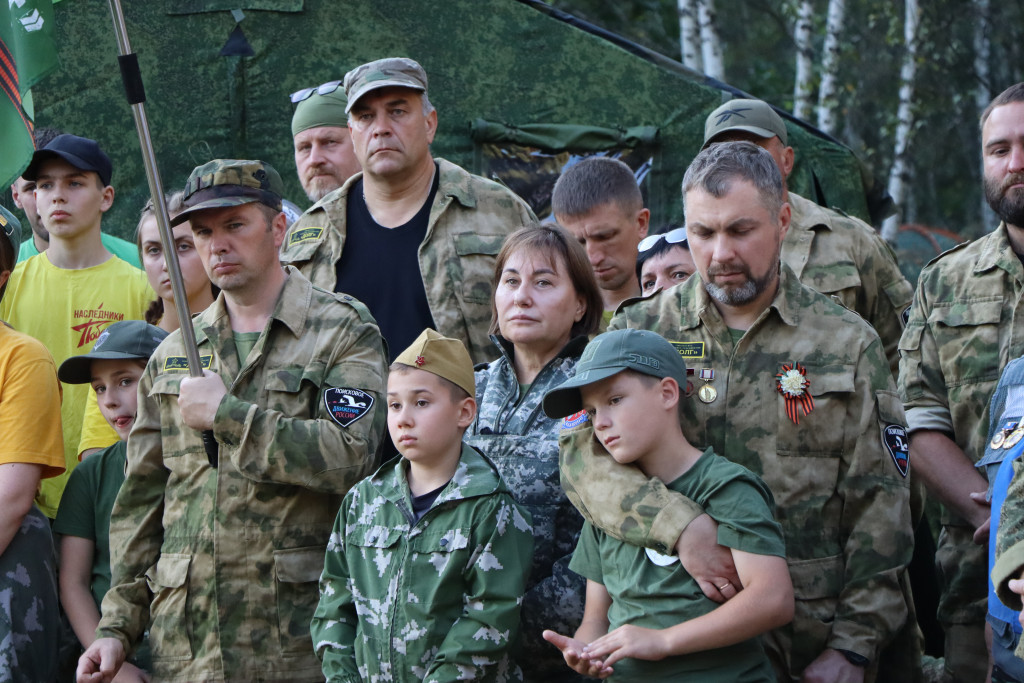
x=420 y=504
x=380 y=267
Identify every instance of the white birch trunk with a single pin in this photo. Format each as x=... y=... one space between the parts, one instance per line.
x=982 y=93
x=899 y=174
x=828 y=102
x=803 y=85
x=689 y=34
x=710 y=45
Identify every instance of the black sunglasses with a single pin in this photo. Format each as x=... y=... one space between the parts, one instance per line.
x=322 y=89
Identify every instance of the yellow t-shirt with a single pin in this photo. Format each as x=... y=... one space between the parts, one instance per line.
x=29 y=404
x=66 y=310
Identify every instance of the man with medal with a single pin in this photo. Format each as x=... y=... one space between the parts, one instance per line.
x=797 y=389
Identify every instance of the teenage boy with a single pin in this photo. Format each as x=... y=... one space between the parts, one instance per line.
x=427 y=564
x=67 y=295
x=642 y=605
x=113 y=368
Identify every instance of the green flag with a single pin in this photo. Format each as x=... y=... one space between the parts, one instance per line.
x=27 y=53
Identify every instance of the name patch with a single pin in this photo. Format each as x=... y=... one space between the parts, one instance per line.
x=347 y=405
x=689 y=350
x=181 y=363
x=898 y=444
x=305 y=235
x=574 y=420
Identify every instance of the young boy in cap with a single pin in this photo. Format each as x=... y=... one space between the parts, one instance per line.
x=645 y=617
x=113 y=369
x=426 y=567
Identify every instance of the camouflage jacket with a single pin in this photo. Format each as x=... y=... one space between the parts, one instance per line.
x=222 y=563
x=433 y=600
x=841 y=499
x=846 y=258
x=522 y=442
x=468 y=223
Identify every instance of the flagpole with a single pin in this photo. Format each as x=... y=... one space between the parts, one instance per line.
x=131 y=76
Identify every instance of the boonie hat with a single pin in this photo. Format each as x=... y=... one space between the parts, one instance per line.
x=230 y=182
x=610 y=353
x=384 y=73
x=82 y=153
x=442 y=356
x=10 y=227
x=320 y=110
x=125 y=340
x=753 y=116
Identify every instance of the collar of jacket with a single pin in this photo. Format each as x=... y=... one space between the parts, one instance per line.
x=573 y=349
x=474 y=476
x=291 y=308
x=997 y=252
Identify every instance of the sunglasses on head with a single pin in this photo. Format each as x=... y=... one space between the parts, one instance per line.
x=322 y=89
x=676 y=236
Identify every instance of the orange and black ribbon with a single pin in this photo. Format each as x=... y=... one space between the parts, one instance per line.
x=800 y=398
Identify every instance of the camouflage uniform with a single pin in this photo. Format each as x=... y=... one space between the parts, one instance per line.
x=433 y=600
x=513 y=431
x=846 y=258
x=468 y=223
x=222 y=563
x=964 y=326
x=841 y=501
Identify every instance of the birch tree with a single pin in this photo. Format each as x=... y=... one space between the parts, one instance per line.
x=982 y=91
x=689 y=34
x=828 y=102
x=710 y=43
x=899 y=175
x=803 y=86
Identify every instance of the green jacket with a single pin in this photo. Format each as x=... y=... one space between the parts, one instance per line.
x=435 y=600
x=222 y=564
x=468 y=223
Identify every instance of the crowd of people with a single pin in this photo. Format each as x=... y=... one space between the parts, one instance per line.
x=433 y=439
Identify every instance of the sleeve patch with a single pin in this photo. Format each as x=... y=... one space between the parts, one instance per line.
x=347 y=405
x=305 y=235
x=898 y=444
x=574 y=420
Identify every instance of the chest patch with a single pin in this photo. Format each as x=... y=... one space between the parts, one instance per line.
x=181 y=363
x=689 y=350
x=898 y=444
x=305 y=235
x=347 y=405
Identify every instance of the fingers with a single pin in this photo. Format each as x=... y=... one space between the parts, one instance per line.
x=728 y=590
x=710 y=591
x=1017 y=586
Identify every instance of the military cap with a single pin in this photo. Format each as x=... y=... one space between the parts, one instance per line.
x=125 y=340
x=230 y=182
x=752 y=116
x=10 y=227
x=320 y=110
x=82 y=153
x=384 y=73
x=610 y=353
x=442 y=356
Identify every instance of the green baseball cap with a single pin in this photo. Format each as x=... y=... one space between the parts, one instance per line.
x=384 y=73
x=10 y=227
x=230 y=182
x=125 y=340
x=320 y=110
x=610 y=353
x=753 y=116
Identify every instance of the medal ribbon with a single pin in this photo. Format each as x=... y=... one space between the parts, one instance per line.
x=793 y=385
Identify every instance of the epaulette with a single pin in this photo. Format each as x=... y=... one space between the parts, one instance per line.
x=948 y=251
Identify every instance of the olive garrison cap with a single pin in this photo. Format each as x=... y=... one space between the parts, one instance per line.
x=125 y=340
x=230 y=182
x=384 y=73
x=752 y=116
x=610 y=353
x=441 y=356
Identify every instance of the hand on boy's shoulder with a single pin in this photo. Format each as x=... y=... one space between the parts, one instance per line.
x=710 y=564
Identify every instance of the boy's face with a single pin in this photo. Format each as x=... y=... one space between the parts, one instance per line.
x=116 y=385
x=70 y=201
x=425 y=423
x=629 y=414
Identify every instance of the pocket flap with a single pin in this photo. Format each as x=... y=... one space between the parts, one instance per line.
x=818 y=578
x=167 y=384
x=825 y=379
x=985 y=312
x=282 y=380
x=450 y=541
x=171 y=570
x=299 y=565
x=467 y=243
x=371 y=536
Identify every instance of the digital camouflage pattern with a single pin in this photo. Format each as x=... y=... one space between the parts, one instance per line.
x=846 y=258
x=512 y=430
x=841 y=501
x=966 y=324
x=29 y=609
x=222 y=564
x=469 y=221
x=433 y=600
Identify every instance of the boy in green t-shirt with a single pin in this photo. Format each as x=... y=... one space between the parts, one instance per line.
x=113 y=368
x=646 y=618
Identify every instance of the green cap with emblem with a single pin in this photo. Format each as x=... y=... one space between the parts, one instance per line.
x=610 y=353
x=230 y=182
x=10 y=227
x=125 y=340
x=752 y=116
x=384 y=73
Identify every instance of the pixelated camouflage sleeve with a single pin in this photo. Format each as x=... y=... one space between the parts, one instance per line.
x=620 y=499
x=334 y=622
x=1010 y=541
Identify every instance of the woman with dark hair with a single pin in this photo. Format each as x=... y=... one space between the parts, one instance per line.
x=546 y=303
x=663 y=261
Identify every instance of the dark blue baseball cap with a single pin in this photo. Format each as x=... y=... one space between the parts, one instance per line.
x=82 y=153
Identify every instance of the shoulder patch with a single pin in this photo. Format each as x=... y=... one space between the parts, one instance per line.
x=575 y=420
x=689 y=350
x=898 y=444
x=905 y=316
x=347 y=405
x=305 y=235
x=180 y=363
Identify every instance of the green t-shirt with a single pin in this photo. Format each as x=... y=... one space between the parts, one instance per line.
x=654 y=591
x=244 y=341
x=122 y=249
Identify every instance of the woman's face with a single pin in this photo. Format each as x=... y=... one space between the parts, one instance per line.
x=536 y=301
x=666 y=269
x=192 y=271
